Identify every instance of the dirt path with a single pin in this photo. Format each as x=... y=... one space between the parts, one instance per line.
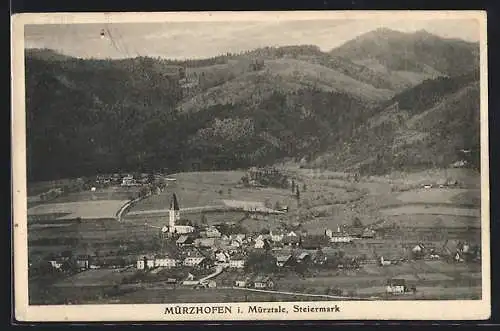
x=302 y=294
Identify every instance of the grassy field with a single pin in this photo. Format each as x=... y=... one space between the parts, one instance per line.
x=81 y=209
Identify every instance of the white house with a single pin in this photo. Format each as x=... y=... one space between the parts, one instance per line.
x=221 y=257
x=193 y=261
x=213 y=232
x=340 y=238
x=396 y=286
x=237 y=262
x=259 y=243
x=276 y=236
x=165 y=261
x=144 y=262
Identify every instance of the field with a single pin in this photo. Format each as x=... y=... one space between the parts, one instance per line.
x=327 y=200
x=81 y=209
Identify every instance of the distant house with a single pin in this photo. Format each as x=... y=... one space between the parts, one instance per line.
x=356 y=232
x=184 y=240
x=341 y=238
x=284 y=260
x=319 y=257
x=183 y=229
x=303 y=258
x=57 y=263
x=240 y=283
x=83 y=262
x=145 y=262
x=237 y=262
x=213 y=232
x=368 y=233
x=197 y=262
x=396 y=286
x=263 y=282
x=165 y=261
x=235 y=243
x=221 y=257
x=261 y=244
x=276 y=236
x=291 y=241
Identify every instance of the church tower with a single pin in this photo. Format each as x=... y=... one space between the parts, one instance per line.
x=173 y=214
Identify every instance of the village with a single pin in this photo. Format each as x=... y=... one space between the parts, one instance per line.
x=221 y=255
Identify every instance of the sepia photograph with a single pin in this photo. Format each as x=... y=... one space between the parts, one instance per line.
x=250 y=166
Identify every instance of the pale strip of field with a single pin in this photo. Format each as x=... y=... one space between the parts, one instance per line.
x=84 y=209
x=435 y=195
x=434 y=276
x=416 y=210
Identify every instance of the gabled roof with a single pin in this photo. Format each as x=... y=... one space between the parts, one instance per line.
x=303 y=255
x=283 y=258
x=182 y=239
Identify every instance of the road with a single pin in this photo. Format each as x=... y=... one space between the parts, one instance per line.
x=302 y=294
x=165 y=211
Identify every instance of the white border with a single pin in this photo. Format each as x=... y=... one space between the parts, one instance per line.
x=351 y=310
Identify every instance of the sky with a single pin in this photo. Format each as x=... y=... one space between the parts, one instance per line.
x=181 y=40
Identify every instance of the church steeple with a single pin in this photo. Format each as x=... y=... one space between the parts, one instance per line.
x=173 y=213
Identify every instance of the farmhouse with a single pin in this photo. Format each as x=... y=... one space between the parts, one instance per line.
x=221 y=257
x=241 y=282
x=340 y=238
x=276 y=236
x=396 y=286
x=165 y=261
x=263 y=282
x=213 y=232
x=145 y=262
x=83 y=262
x=261 y=243
x=237 y=262
x=303 y=257
x=197 y=262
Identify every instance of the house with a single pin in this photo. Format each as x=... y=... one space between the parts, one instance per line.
x=284 y=260
x=83 y=262
x=356 y=232
x=319 y=257
x=183 y=229
x=276 y=236
x=184 y=240
x=165 y=261
x=213 y=232
x=240 y=283
x=368 y=233
x=197 y=262
x=237 y=262
x=57 y=263
x=396 y=286
x=263 y=282
x=221 y=257
x=145 y=262
x=205 y=242
x=291 y=240
x=303 y=258
x=261 y=244
x=341 y=238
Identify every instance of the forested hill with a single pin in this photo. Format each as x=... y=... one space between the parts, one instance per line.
x=235 y=110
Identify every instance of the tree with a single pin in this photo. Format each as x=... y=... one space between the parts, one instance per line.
x=304 y=187
x=293 y=186
x=203 y=218
x=297 y=194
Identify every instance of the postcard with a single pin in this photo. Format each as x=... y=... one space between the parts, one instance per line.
x=229 y=166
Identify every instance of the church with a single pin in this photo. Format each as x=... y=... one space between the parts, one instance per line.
x=173 y=216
